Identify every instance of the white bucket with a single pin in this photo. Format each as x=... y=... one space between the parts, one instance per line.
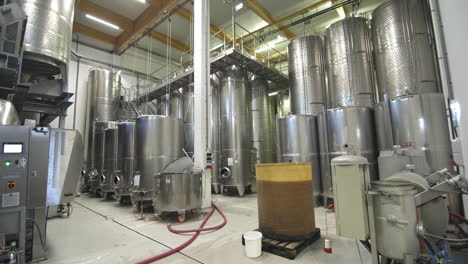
x=253 y=244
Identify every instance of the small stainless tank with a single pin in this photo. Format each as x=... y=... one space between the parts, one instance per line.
x=404 y=49
x=111 y=148
x=298 y=142
x=97 y=151
x=158 y=142
x=176 y=192
x=188 y=119
x=236 y=129
x=264 y=148
x=8 y=114
x=126 y=159
x=349 y=64
x=350 y=130
x=307 y=75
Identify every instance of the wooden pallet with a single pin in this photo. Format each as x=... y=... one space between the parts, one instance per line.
x=286 y=249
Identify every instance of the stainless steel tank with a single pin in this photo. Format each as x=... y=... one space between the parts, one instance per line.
x=102 y=103
x=215 y=135
x=383 y=126
x=283 y=104
x=158 y=142
x=97 y=153
x=163 y=105
x=126 y=159
x=176 y=105
x=48 y=35
x=111 y=164
x=176 y=192
x=236 y=129
x=8 y=114
x=307 y=75
x=349 y=64
x=420 y=121
x=263 y=137
x=350 y=130
x=298 y=142
x=403 y=47
x=188 y=119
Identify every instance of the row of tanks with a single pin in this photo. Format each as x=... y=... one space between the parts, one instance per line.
x=336 y=100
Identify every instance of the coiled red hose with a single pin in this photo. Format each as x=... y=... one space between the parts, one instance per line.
x=188 y=242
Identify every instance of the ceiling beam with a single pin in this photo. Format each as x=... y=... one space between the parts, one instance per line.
x=258 y=9
x=88 y=7
x=173 y=43
x=93 y=33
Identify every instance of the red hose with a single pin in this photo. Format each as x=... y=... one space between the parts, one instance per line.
x=188 y=242
x=456 y=215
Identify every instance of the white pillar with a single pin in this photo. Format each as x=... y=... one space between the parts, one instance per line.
x=201 y=65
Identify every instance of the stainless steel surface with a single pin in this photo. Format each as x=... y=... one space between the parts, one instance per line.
x=188 y=119
x=349 y=63
x=263 y=135
x=215 y=143
x=65 y=159
x=307 y=75
x=158 y=142
x=404 y=49
x=350 y=130
x=111 y=148
x=420 y=121
x=102 y=103
x=298 y=142
x=8 y=114
x=395 y=219
x=163 y=105
x=48 y=32
x=283 y=104
x=383 y=126
x=176 y=107
x=175 y=192
x=126 y=158
x=97 y=147
x=236 y=129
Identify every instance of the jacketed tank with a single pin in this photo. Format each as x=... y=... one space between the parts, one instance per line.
x=48 y=35
x=236 y=129
x=298 y=142
x=158 y=142
x=350 y=130
x=111 y=164
x=403 y=45
x=126 y=159
x=349 y=63
x=262 y=133
x=188 y=119
x=307 y=75
x=97 y=153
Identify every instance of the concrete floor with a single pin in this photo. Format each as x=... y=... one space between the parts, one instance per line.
x=102 y=231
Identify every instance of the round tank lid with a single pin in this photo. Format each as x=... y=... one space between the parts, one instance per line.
x=349 y=160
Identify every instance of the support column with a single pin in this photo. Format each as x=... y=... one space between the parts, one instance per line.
x=201 y=66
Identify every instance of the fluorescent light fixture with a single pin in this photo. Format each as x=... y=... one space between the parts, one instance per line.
x=273 y=93
x=239 y=6
x=341 y=12
x=281 y=38
x=264 y=48
x=328 y=4
x=142 y=1
x=102 y=21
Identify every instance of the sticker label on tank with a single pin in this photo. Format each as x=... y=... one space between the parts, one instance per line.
x=10 y=199
x=136 y=180
x=230 y=161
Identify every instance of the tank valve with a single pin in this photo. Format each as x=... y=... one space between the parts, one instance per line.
x=225 y=172
x=327 y=248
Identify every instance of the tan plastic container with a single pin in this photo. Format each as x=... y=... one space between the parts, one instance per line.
x=285 y=200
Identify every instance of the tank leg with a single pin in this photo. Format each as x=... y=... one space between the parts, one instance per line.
x=216 y=188
x=241 y=190
x=221 y=189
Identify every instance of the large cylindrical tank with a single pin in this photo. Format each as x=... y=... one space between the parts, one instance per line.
x=111 y=164
x=263 y=138
x=158 y=142
x=8 y=114
x=284 y=190
x=403 y=45
x=298 y=142
x=163 y=105
x=420 y=121
x=307 y=75
x=188 y=119
x=176 y=106
x=383 y=126
x=126 y=159
x=349 y=64
x=215 y=134
x=283 y=104
x=350 y=130
x=236 y=129
x=97 y=151
x=48 y=35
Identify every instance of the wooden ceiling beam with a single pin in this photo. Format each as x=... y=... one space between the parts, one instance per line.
x=173 y=43
x=93 y=33
x=88 y=7
x=264 y=14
